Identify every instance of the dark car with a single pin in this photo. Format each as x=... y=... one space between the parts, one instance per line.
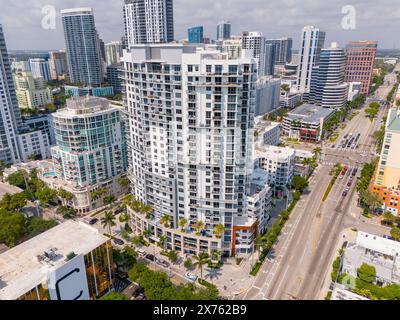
x=349 y=184
x=344 y=194
x=138 y=291
x=150 y=257
x=118 y=241
x=93 y=221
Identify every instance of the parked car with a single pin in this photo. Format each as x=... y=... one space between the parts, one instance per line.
x=163 y=263
x=141 y=252
x=138 y=291
x=118 y=241
x=190 y=276
x=150 y=257
x=344 y=194
x=93 y=221
x=349 y=184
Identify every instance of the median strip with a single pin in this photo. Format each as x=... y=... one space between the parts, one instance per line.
x=338 y=169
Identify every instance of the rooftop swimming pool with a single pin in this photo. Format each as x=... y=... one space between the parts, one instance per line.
x=49 y=174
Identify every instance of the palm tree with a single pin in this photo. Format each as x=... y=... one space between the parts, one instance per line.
x=201 y=259
x=162 y=241
x=136 y=205
x=199 y=225
x=65 y=195
x=146 y=209
x=147 y=233
x=109 y=200
x=182 y=223
x=108 y=221
x=166 y=220
x=127 y=200
x=219 y=230
x=317 y=152
x=215 y=255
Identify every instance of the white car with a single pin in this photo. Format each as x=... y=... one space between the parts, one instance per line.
x=141 y=252
x=190 y=276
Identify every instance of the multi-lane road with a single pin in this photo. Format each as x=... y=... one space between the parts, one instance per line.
x=300 y=261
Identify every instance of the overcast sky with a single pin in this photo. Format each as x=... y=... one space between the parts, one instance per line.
x=375 y=19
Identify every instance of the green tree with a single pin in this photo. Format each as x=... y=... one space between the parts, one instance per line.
x=395 y=233
x=200 y=260
x=125 y=258
x=37 y=225
x=173 y=256
x=109 y=200
x=13 y=202
x=182 y=223
x=317 y=152
x=2 y=167
x=366 y=273
x=17 y=179
x=199 y=226
x=219 y=230
x=188 y=264
x=299 y=183
x=124 y=182
x=146 y=209
x=166 y=220
x=45 y=196
x=12 y=227
x=108 y=221
x=66 y=212
x=114 y=296
x=65 y=195
x=371 y=200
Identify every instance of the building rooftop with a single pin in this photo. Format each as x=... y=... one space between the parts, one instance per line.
x=376 y=251
x=309 y=113
x=268 y=151
x=22 y=267
x=342 y=294
x=393 y=122
x=84 y=106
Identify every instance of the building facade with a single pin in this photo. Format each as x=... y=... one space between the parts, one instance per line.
x=327 y=87
x=43 y=123
x=387 y=176
x=233 y=47
x=148 y=21
x=58 y=65
x=306 y=122
x=32 y=92
x=311 y=44
x=360 y=63
x=224 y=30
x=113 y=52
x=282 y=49
x=196 y=35
x=115 y=77
x=267 y=94
x=91 y=148
x=10 y=115
x=254 y=42
x=191 y=115
x=40 y=68
x=82 y=46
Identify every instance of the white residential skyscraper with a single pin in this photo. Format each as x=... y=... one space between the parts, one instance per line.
x=312 y=41
x=255 y=43
x=327 y=80
x=82 y=46
x=40 y=68
x=149 y=21
x=190 y=145
x=10 y=116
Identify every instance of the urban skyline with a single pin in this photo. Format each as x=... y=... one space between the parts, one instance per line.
x=24 y=30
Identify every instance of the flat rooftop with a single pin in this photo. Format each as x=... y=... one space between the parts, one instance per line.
x=309 y=113
x=20 y=268
x=342 y=294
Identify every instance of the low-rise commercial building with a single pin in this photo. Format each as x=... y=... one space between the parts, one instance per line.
x=71 y=261
x=289 y=100
x=306 y=122
x=381 y=253
x=34 y=145
x=268 y=133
